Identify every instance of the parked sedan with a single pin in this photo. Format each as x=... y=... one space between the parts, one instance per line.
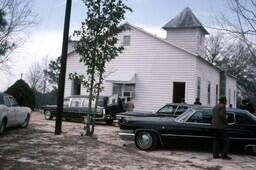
x=195 y=123
x=168 y=110
x=11 y=114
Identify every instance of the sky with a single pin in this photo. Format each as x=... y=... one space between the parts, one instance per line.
x=44 y=39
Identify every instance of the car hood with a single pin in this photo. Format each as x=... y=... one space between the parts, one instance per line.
x=138 y=114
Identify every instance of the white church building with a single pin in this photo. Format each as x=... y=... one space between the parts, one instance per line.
x=154 y=71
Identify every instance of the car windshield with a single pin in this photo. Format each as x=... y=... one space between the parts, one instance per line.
x=168 y=109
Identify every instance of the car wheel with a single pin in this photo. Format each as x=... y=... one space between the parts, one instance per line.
x=146 y=140
x=251 y=150
x=109 y=121
x=47 y=115
x=2 y=127
x=26 y=122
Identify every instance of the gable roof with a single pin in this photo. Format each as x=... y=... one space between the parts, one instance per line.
x=165 y=41
x=173 y=45
x=185 y=19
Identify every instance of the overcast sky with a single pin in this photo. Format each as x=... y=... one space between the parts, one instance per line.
x=45 y=38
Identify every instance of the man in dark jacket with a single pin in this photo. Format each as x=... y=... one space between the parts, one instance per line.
x=197 y=102
x=219 y=125
x=249 y=106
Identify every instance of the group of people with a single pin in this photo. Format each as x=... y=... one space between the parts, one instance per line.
x=125 y=106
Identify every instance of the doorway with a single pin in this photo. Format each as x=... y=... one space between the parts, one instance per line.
x=178 y=92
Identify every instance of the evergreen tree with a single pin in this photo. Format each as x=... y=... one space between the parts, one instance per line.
x=23 y=94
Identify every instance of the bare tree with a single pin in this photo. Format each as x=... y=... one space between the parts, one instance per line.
x=214 y=48
x=15 y=17
x=37 y=76
x=244 y=25
x=237 y=59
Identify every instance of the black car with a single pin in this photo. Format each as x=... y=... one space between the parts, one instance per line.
x=168 y=110
x=195 y=123
x=76 y=108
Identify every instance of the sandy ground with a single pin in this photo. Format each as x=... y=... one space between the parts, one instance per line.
x=38 y=148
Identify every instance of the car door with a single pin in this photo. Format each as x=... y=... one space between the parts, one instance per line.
x=10 y=113
x=20 y=115
x=199 y=124
x=196 y=125
x=242 y=128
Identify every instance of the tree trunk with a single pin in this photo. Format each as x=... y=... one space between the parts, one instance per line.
x=96 y=101
x=89 y=124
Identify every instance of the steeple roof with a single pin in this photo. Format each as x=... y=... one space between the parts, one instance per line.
x=185 y=19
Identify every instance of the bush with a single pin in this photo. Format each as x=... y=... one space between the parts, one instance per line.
x=24 y=95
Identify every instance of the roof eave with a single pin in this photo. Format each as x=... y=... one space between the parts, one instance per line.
x=173 y=28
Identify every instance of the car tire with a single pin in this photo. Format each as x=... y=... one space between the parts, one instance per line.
x=145 y=140
x=47 y=115
x=26 y=122
x=109 y=121
x=251 y=150
x=2 y=127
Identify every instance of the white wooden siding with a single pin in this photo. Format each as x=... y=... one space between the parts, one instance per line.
x=207 y=73
x=157 y=65
x=231 y=84
x=188 y=39
x=73 y=65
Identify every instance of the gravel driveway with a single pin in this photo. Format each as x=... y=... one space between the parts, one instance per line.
x=38 y=148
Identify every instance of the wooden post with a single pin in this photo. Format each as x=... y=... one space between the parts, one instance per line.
x=61 y=83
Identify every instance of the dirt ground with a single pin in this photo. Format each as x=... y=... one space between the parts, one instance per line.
x=38 y=148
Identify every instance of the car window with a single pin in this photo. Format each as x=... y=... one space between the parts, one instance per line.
x=6 y=101
x=240 y=119
x=1 y=100
x=76 y=102
x=201 y=117
x=13 y=101
x=101 y=102
x=184 y=116
x=180 y=110
x=66 y=102
x=86 y=102
x=230 y=117
x=168 y=109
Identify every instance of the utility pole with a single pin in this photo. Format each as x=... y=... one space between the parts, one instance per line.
x=61 y=83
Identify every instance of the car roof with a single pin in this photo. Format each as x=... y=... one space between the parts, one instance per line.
x=4 y=94
x=236 y=110
x=81 y=96
x=183 y=104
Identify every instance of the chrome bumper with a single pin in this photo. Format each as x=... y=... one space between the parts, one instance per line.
x=126 y=136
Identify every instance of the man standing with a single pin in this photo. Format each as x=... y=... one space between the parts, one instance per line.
x=197 y=102
x=129 y=105
x=219 y=125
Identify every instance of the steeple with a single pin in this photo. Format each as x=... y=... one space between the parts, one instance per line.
x=185 y=19
x=186 y=31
